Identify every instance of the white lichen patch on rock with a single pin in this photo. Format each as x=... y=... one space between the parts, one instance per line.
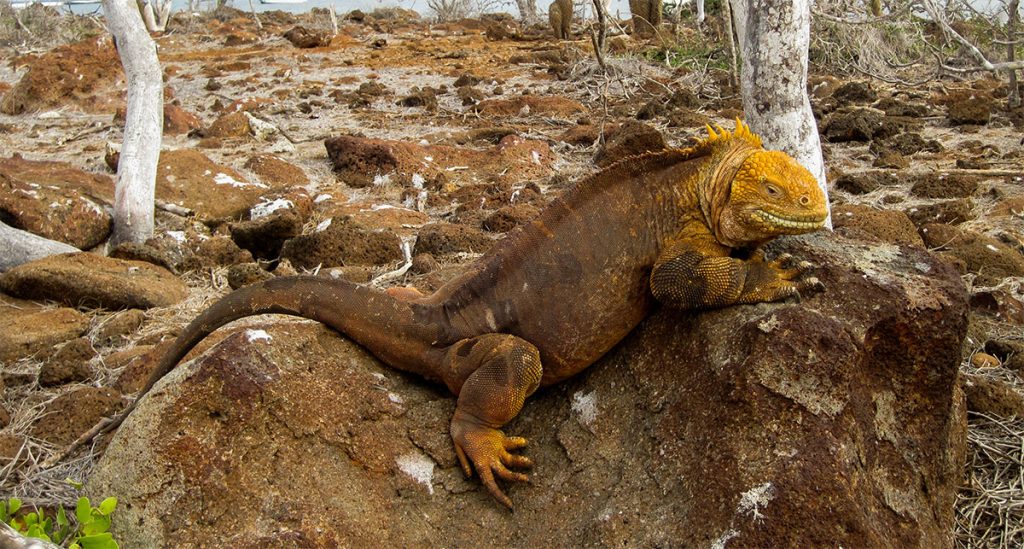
x=419 y=467
x=257 y=335
x=751 y=503
x=724 y=538
x=268 y=207
x=755 y=499
x=584 y=405
x=879 y=254
x=768 y=324
x=225 y=179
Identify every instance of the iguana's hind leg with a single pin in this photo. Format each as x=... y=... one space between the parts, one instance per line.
x=500 y=371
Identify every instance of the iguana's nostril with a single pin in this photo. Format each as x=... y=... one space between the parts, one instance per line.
x=805 y=200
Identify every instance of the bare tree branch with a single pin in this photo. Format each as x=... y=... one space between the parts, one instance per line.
x=22 y=247
x=937 y=15
x=598 y=35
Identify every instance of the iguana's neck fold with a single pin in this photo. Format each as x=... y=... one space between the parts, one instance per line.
x=713 y=189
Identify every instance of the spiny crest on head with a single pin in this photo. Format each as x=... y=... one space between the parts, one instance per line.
x=722 y=135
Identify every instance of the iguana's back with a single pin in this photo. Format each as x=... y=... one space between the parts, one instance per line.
x=575 y=280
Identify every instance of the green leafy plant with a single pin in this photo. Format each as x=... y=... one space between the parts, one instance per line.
x=91 y=532
x=93 y=524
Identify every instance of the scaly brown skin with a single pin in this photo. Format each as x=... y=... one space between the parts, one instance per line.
x=558 y=293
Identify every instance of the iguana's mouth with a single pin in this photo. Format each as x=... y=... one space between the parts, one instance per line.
x=806 y=223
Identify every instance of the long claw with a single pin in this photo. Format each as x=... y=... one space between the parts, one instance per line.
x=463 y=461
x=487 y=477
x=514 y=443
x=517 y=461
x=513 y=476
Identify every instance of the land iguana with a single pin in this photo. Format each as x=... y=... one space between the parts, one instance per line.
x=559 y=292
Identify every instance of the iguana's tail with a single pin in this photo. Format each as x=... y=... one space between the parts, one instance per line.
x=390 y=329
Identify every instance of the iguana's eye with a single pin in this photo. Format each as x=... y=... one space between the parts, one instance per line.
x=772 y=190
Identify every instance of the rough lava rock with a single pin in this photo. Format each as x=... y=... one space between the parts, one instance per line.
x=89 y=280
x=71 y=414
x=360 y=162
x=891 y=226
x=301 y=37
x=234 y=124
x=988 y=258
x=85 y=74
x=340 y=242
x=31 y=332
x=275 y=171
x=217 y=193
x=833 y=421
x=631 y=138
x=178 y=121
x=858 y=124
x=447 y=238
x=68 y=365
x=970 y=110
x=56 y=201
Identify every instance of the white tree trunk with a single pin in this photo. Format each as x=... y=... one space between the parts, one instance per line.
x=155 y=18
x=21 y=247
x=134 y=193
x=527 y=10
x=1013 y=16
x=773 y=39
x=700 y=11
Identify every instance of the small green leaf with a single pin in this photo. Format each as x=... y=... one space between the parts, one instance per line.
x=13 y=505
x=36 y=531
x=108 y=505
x=83 y=511
x=74 y=546
x=62 y=517
x=75 y=483
x=98 y=541
x=98 y=525
x=31 y=519
x=63 y=525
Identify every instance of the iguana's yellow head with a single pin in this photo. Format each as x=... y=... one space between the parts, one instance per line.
x=771 y=195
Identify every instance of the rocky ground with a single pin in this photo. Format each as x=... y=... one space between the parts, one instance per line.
x=394 y=153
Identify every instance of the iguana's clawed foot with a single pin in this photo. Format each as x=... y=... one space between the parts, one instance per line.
x=796 y=275
x=810 y=284
x=781 y=277
x=487 y=450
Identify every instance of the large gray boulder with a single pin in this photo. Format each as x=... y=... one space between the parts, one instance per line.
x=835 y=421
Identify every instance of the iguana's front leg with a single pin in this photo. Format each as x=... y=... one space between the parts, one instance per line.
x=500 y=371
x=696 y=272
